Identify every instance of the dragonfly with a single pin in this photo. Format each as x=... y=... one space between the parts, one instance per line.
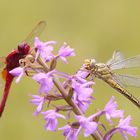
x=105 y=72
x=11 y=61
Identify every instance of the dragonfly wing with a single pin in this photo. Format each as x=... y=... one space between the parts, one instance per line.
x=37 y=30
x=116 y=57
x=132 y=62
x=127 y=80
x=2 y=65
x=2 y=62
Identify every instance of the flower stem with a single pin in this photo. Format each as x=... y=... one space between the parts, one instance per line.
x=75 y=109
x=41 y=62
x=64 y=93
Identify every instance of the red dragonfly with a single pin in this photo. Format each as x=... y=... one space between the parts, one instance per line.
x=12 y=60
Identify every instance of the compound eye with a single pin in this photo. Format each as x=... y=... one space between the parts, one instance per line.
x=89 y=64
x=92 y=62
x=23 y=48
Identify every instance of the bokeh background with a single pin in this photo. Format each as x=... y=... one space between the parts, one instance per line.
x=94 y=28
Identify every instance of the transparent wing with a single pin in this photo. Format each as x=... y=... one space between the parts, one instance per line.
x=37 y=30
x=132 y=62
x=2 y=63
x=127 y=80
x=116 y=57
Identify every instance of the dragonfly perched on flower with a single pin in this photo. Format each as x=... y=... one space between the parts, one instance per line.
x=12 y=60
x=105 y=72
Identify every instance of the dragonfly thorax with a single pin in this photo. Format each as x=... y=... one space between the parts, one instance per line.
x=102 y=71
x=99 y=70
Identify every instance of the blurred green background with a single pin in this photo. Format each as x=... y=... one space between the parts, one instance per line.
x=94 y=28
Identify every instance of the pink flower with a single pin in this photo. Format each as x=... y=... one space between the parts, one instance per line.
x=39 y=102
x=124 y=127
x=64 y=52
x=87 y=124
x=111 y=110
x=51 y=119
x=44 y=49
x=69 y=132
x=19 y=72
x=45 y=81
x=82 y=94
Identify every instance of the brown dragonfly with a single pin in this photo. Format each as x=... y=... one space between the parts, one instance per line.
x=105 y=72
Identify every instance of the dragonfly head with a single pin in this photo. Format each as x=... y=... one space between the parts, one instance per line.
x=23 y=48
x=89 y=64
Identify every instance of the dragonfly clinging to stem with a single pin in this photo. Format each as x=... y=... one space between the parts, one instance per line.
x=11 y=61
x=105 y=72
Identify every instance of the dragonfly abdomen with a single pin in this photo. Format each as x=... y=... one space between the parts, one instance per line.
x=123 y=91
